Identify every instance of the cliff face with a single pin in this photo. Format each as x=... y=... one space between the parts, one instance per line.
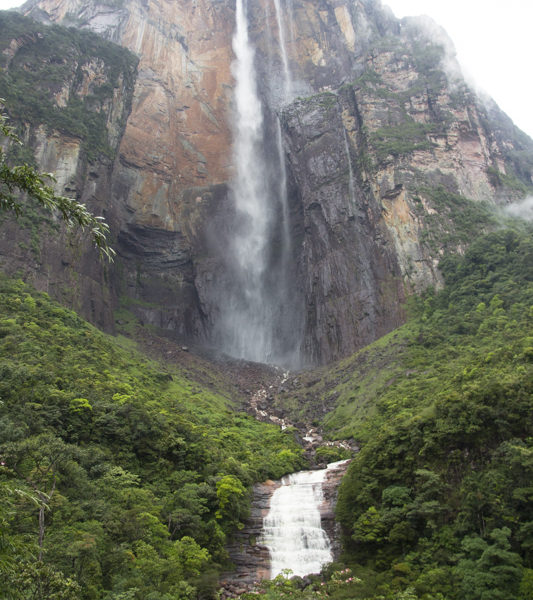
x=385 y=150
x=69 y=94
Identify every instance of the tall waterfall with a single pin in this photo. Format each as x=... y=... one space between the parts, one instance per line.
x=284 y=200
x=286 y=71
x=257 y=319
x=292 y=528
x=287 y=92
x=245 y=321
x=351 y=180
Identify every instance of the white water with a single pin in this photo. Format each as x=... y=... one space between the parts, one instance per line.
x=283 y=192
x=351 y=182
x=290 y=10
x=284 y=200
x=292 y=529
x=258 y=318
x=287 y=91
x=245 y=312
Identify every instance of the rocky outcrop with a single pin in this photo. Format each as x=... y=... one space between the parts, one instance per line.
x=348 y=265
x=330 y=489
x=386 y=150
x=250 y=559
x=384 y=166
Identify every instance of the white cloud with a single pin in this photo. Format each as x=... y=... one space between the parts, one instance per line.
x=522 y=209
x=5 y=4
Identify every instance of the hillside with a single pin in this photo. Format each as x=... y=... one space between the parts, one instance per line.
x=140 y=473
x=438 y=500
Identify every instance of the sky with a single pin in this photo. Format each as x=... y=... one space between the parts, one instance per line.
x=494 y=46
x=493 y=41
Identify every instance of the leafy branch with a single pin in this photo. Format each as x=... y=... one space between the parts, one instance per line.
x=17 y=181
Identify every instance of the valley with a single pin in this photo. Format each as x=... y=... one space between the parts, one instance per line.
x=322 y=256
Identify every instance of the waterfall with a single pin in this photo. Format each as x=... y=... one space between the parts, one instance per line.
x=292 y=356
x=284 y=201
x=290 y=10
x=258 y=318
x=287 y=91
x=351 y=181
x=292 y=529
x=244 y=327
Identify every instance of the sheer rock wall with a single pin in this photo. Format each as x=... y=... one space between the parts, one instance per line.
x=378 y=125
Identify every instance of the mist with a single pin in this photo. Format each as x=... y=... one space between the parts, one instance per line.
x=522 y=209
x=493 y=46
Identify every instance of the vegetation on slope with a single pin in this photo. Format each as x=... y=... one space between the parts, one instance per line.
x=45 y=78
x=19 y=180
x=119 y=479
x=438 y=503
x=440 y=496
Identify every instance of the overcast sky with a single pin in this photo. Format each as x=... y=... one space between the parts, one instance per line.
x=494 y=45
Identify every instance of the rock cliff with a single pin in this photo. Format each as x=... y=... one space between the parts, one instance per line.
x=389 y=159
x=251 y=560
x=69 y=95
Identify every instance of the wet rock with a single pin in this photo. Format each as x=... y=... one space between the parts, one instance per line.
x=327 y=510
x=251 y=559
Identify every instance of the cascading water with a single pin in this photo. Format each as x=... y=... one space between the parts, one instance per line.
x=245 y=312
x=283 y=195
x=257 y=317
x=287 y=91
x=292 y=530
x=351 y=180
x=290 y=11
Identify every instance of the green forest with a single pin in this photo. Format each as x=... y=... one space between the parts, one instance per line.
x=120 y=478
x=440 y=496
x=437 y=505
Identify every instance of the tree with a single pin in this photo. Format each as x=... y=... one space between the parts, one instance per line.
x=39 y=461
x=13 y=548
x=232 y=499
x=37 y=581
x=489 y=571
x=23 y=180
